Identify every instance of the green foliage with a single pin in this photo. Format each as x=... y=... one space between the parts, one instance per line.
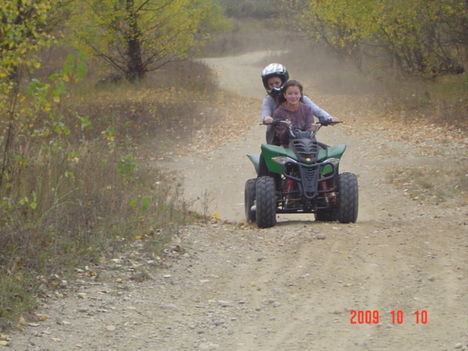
x=15 y=295
x=421 y=36
x=39 y=106
x=85 y=123
x=142 y=203
x=138 y=36
x=23 y=32
x=126 y=168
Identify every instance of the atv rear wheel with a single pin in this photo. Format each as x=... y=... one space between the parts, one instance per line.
x=348 y=198
x=265 y=202
x=249 y=199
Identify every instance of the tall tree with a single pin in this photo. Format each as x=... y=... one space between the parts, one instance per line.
x=138 y=36
x=24 y=30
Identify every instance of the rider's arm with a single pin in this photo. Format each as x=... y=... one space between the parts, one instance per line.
x=268 y=107
x=322 y=115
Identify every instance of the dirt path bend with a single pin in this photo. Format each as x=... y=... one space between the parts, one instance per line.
x=234 y=287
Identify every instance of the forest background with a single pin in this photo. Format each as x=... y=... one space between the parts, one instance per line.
x=88 y=87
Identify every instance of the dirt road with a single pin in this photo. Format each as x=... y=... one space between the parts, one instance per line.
x=234 y=287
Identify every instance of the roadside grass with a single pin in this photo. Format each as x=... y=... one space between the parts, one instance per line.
x=70 y=202
x=432 y=185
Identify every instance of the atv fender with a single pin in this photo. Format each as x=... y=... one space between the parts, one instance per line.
x=255 y=158
x=332 y=152
x=270 y=151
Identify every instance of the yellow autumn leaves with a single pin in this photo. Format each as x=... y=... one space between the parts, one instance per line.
x=421 y=36
x=138 y=36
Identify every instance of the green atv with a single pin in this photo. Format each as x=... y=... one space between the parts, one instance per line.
x=302 y=178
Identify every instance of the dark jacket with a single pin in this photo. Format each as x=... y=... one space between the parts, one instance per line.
x=301 y=119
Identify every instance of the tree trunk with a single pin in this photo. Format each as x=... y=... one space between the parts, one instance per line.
x=135 y=67
x=14 y=77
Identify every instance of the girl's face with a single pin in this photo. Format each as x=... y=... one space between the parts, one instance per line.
x=274 y=82
x=293 y=95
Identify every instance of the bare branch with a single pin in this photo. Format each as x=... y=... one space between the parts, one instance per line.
x=107 y=58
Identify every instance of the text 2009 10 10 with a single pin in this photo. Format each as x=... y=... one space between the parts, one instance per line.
x=396 y=317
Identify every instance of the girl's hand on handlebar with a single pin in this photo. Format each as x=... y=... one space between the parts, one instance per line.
x=267 y=120
x=330 y=122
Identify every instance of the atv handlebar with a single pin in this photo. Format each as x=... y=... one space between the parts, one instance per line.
x=293 y=131
x=330 y=123
x=275 y=122
x=317 y=125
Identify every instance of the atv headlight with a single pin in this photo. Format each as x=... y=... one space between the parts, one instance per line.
x=282 y=160
x=333 y=161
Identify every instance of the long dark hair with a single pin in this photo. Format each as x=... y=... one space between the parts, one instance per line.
x=289 y=83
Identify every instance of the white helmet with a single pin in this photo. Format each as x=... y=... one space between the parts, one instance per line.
x=274 y=70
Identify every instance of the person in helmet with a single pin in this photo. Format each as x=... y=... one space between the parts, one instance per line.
x=273 y=77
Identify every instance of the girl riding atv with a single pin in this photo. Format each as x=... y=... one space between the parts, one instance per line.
x=274 y=76
x=292 y=111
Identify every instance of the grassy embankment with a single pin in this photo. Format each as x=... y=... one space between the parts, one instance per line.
x=95 y=192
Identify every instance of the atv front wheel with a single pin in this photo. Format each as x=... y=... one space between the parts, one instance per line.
x=348 y=198
x=265 y=194
x=249 y=199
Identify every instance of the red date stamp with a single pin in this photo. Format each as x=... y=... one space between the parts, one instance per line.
x=395 y=317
